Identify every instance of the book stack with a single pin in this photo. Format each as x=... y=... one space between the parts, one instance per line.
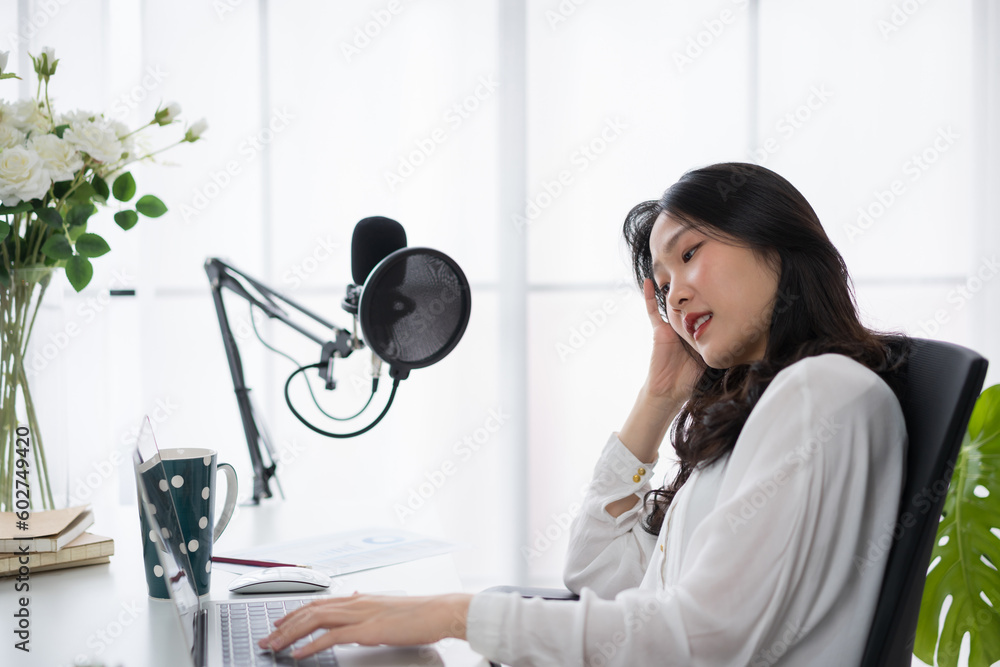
x=54 y=539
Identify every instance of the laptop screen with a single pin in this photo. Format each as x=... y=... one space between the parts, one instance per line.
x=158 y=505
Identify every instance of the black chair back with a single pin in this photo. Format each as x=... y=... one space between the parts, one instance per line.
x=942 y=383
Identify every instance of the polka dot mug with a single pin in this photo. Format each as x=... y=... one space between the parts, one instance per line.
x=190 y=481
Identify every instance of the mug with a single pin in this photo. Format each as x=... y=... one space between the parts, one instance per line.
x=190 y=481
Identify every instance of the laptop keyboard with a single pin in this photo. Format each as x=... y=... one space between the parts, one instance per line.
x=246 y=623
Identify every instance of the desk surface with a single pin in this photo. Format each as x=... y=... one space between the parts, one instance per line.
x=102 y=614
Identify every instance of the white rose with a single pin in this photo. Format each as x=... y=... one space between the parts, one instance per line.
x=10 y=136
x=78 y=116
x=95 y=138
x=120 y=128
x=22 y=176
x=167 y=114
x=58 y=156
x=122 y=132
x=195 y=131
x=3 y=60
x=29 y=118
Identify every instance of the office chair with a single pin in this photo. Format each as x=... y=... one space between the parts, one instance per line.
x=941 y=384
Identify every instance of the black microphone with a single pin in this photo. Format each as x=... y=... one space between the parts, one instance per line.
x=374 y=239
x=413 y=305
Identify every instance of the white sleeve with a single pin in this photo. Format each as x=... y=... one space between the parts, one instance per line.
x=609 y=554
x=817 y=463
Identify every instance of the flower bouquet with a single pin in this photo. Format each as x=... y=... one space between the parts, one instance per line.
x=56 y=170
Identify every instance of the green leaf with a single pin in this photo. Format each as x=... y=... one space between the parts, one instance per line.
x=124 y=187
x=101 y=187
x=75 y=233
x=83 y=193
x=971 y=509
x=78 y=215
x=23 y=207
x=150 y=206
x=4 y=230
x=79 y=271
x=50 y=217
x=60 y=189
x=59 y=130
x=4 y=276
x=92 y=245
x=126 y=219
x=58 y=247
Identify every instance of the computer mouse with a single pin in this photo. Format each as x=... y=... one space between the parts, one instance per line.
x=280 y=580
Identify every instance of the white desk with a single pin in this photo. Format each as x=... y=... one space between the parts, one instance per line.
x=103 y=615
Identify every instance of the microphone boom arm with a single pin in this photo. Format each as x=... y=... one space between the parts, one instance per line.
x=223 y=276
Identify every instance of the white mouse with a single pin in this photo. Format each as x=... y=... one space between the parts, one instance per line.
x=280 y=580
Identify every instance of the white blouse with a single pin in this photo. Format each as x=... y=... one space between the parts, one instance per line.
x=773 y=554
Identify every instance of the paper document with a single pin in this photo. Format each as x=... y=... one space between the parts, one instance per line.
x=343 y=553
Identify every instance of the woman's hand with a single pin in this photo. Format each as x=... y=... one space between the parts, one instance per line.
x=671 y=379
x=371 y=620
x=672 y=371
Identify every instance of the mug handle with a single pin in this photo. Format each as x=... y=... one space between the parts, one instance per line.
x=227 y=509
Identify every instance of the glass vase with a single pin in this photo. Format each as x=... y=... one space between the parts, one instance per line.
x=20 y=434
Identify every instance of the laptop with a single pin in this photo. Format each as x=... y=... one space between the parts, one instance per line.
x=224 y=633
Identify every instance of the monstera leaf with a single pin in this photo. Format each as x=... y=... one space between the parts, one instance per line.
x=967 y=550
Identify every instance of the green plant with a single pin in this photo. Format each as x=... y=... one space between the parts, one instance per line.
x=968 y=546
x=57 y=170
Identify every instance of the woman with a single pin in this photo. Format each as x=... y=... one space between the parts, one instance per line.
x=790 y=441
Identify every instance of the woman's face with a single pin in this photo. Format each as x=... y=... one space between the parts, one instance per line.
x=699 y=276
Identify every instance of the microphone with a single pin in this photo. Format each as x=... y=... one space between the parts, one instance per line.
x=374 y=239
x=413 y=305
x=414 y=308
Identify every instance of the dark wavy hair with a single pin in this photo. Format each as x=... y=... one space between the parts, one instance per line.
x=814 y=312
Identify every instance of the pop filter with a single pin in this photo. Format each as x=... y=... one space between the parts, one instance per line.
x=414 y=308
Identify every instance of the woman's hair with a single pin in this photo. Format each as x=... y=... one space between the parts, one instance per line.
x=814 y=309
